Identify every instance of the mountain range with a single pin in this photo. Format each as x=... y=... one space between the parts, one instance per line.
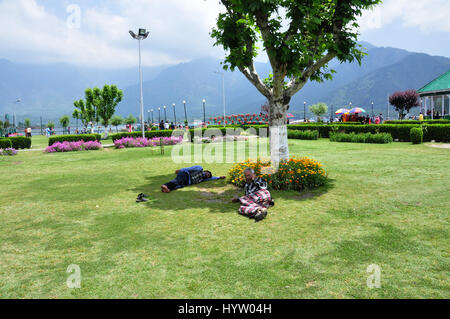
x=50 y=90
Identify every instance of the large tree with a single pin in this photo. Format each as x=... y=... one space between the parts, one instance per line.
x=404 y=101
x=299 y=37
x=98 y=104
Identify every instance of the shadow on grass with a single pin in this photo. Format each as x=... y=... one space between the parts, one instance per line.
x=214 y=195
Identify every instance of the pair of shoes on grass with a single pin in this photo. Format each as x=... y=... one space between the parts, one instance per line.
x=261 y=213
x=141 y=198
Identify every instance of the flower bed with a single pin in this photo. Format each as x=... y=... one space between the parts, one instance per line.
x=8 y=151
x=294 y=174
x=127 y=142
x=73 y=146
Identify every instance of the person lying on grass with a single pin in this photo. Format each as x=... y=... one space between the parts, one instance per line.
x=257 y=198
x=188 y=176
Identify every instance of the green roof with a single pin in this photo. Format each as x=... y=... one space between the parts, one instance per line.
x=442 y=83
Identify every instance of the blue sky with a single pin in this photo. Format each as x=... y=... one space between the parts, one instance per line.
x=45 y=31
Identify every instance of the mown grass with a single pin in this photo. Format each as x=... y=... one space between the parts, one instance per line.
x=386 y=205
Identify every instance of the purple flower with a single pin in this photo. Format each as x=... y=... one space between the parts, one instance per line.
x=8 y=151
x=126 y=142
x=73 y=146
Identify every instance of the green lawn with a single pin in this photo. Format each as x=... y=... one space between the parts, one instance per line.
x=386 y=205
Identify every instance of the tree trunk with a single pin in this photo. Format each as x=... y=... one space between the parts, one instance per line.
x=279 y=149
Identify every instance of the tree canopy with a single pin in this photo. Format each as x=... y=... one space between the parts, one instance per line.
x=319 y=109
x=299 y=37
x=404 y=101
x=64 y=121
x=116 y=120
x=130 y=119
x=98 y=104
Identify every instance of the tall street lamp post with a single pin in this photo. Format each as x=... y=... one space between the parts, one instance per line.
x=204 y=116
x=165 y=115
x=14 y=114
x=174 y=114
x=152 y=116
x=304 y=111
x=185 y=114
x=372 y=109
x=148 y=117
x=142 y=35
x=159 y=115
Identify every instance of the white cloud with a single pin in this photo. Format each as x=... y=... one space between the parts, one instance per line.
x=179 y=31
x=427 y=15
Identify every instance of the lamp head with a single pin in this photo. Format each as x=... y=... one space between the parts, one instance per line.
x=184 y=102
x=204 y=101
x=143 y=33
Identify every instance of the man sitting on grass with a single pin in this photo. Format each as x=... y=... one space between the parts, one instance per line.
x=257 y=198
x=188 y=176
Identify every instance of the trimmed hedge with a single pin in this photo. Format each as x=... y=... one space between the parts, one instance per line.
x=303 y=135
x=380 y=138
x=5 y=143
x=437 y=132
x=401 y=132
x=416 y=135
x=74 y=138
x=417 y=122
x=20 y=142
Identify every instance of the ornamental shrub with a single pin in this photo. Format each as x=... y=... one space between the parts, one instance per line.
x=408 y=122
x=73 y=138
x=416 y=135
x=381 y=138
x=303 y=135
x=439 y=133
x=20 y=142
x=401 y=132
x=5 y=143
x=293 y=174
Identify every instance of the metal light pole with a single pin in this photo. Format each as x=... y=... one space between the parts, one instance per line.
x=185 y=114
x=304 y=112
x=372 y=109
x=159 y=115
x=174 y=114
x=387 y=107
x=223 y=93
x=142 y=35
x=204 y=117
x=331 y=114
x=152 y=116
x=165 y=116
x=14 y=114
